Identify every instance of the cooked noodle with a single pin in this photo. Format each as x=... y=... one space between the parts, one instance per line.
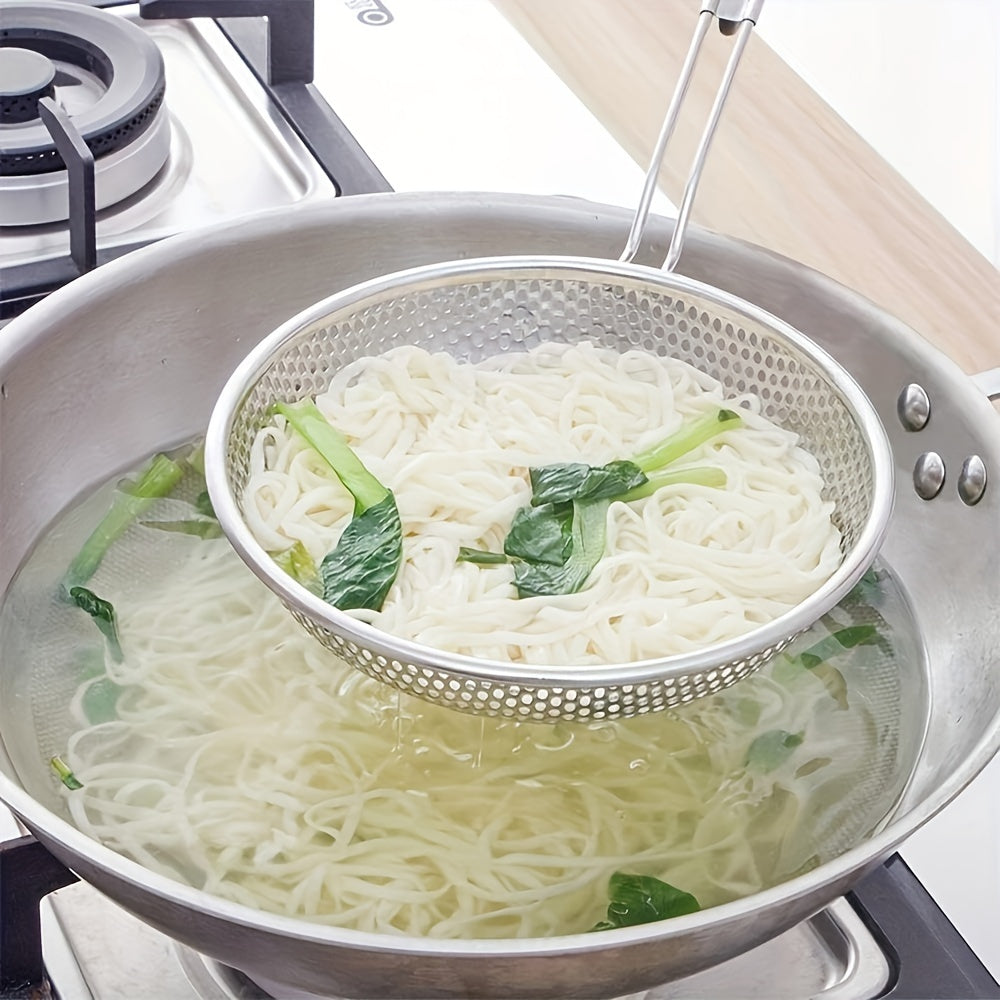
x=687 y=567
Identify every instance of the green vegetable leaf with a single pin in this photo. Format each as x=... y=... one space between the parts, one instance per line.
x=641 y=899
x=576 y=481
x=203 y=504
x=589 y=535
x=837 y=642
x=100 y=700
x=482 y=557
x=103 y=614
x=196 y=458
x=131 y=500
x=360 y=570
x=66 y=776
x=300 y=566
x=867 y=591
x=772 y=749
x=687 y=438
x=541 y=534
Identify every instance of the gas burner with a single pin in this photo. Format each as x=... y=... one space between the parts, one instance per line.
x=108 y=77
x=26 y=77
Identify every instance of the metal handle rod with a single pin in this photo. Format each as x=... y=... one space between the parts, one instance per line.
x=747 y=15
x=666 y=131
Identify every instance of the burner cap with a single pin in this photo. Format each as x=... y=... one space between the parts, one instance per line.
x=83 y=50
x=25 y=77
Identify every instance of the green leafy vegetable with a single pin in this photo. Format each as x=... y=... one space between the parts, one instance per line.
x=300 y=566
x=701 y=475
x=641 y=899
x=103 y=614
x=576 y=481
x=837 y=642
x=482 y=557
x=66 y=776
x=100 y=700
x=196 y=458
x=534 y=579
x=541 y=534
x=559 y=544
x=360 y=570
x=131 y=500
x=306 y=419
x=687 y=438
x=203 y=504
x=772 y=749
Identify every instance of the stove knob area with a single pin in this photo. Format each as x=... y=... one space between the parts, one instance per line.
x=26 y=76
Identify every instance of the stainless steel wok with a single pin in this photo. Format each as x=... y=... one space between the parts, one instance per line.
x=130 y=359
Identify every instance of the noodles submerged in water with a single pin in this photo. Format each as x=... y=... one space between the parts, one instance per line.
x=685 y=568
x=241 y=757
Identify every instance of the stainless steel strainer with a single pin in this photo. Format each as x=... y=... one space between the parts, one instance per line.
x=474 y=309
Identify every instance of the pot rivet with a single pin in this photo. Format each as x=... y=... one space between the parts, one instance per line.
x=972 y=480
x=913 y=407
x=928 y=475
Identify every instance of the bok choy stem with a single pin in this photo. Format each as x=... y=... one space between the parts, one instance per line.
x=130 y=501
x=702 y=475
x=686 y=439
x=326 y=440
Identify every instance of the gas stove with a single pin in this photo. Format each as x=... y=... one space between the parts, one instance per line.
x=212 y=117
x=137 y=122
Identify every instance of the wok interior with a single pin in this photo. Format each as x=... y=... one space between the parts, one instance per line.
x=95 y=378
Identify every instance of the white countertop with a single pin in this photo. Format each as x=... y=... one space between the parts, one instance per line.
x=449 y=97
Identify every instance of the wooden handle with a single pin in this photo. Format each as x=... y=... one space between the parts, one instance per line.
x=785 y=171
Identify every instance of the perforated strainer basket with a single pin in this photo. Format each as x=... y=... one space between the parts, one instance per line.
x=475 y=309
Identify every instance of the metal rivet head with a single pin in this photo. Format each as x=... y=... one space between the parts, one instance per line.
x=928 y=475
x=972 y=480
x=913 y=407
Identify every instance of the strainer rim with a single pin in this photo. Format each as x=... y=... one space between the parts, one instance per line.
x=532 y=676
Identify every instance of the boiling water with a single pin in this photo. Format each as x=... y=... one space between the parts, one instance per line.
x=230 y=751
